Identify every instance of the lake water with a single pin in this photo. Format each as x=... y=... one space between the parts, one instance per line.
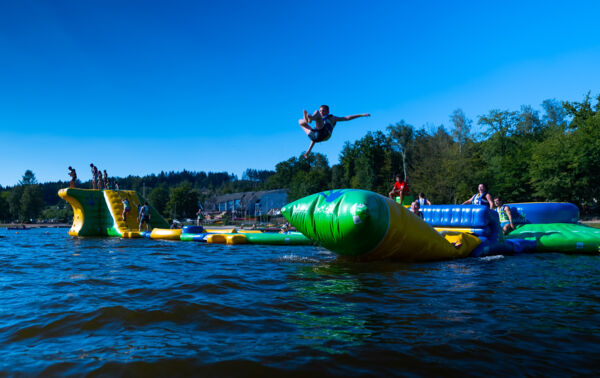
x=73 y=306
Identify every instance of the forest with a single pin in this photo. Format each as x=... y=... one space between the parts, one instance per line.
x=523 y=155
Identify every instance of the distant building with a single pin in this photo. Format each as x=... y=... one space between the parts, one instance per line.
x=250 y=203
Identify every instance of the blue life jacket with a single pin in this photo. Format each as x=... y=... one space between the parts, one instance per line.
x=479 y=199
x=327 y=128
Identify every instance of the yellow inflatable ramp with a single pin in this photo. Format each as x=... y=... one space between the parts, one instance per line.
x=129 y=227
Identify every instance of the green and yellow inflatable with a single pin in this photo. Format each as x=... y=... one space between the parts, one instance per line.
x=367 y=226
x=100 y=213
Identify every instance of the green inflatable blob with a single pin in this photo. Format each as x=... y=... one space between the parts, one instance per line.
x=560 y=237
x=347 y=221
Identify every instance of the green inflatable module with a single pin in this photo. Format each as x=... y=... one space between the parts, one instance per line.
x=560 y=237
x=269 y=238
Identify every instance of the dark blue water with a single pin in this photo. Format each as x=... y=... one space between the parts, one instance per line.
x=73 y=306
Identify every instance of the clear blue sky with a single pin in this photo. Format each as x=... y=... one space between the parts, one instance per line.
x=142 y=86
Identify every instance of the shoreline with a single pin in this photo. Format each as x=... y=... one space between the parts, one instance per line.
x=36 y=225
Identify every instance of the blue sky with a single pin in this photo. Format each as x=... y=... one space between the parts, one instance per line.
x=140 y=87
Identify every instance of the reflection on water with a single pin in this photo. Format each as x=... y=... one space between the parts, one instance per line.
x=144 y=307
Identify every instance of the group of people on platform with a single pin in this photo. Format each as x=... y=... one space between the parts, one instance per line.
x=401 y=190
x=100 y=181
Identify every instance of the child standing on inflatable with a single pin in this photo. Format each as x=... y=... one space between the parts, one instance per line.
x=324 y=124
x=94 y=173
x=73 y=175
x=481 y=198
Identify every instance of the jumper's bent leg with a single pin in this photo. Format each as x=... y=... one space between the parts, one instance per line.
x=307 y=129
x=312 y=144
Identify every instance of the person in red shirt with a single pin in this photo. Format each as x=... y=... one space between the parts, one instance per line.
x=400 y=189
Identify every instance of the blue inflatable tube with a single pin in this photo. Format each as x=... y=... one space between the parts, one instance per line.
x=544 y=212
x=480 y=220
x=192 y=230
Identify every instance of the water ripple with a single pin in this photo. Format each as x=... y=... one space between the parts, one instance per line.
x=109 y=306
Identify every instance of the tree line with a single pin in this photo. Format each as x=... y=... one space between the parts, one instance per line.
x=522 y=155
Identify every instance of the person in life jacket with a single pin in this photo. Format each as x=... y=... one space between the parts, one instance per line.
x=481 y=198
x=400 y=189
x=423 y=201
x=503 y=210
x=144 y=215
x=324 y=124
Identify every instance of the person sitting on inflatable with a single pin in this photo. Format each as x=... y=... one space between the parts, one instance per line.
x=506 y=221
x=324 y=124
x=481 y=198
x=400 y=189
x=415 y=208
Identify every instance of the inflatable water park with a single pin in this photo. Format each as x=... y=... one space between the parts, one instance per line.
x=361 y=225
x=98 y=212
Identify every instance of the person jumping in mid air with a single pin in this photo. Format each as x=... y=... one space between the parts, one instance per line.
x=324 y=124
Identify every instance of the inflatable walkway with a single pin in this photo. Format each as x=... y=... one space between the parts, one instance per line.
x=99 y=213
x=553 y=227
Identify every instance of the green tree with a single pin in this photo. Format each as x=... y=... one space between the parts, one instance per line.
x=159 y=197
x=461 y=130
x=435 y=171
x=402 y=137
x=183 y=201
x=32 y=202
x=4 y=209
x=301 y=176
x=14 y=201
x=373 y=162
x=28 y=178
